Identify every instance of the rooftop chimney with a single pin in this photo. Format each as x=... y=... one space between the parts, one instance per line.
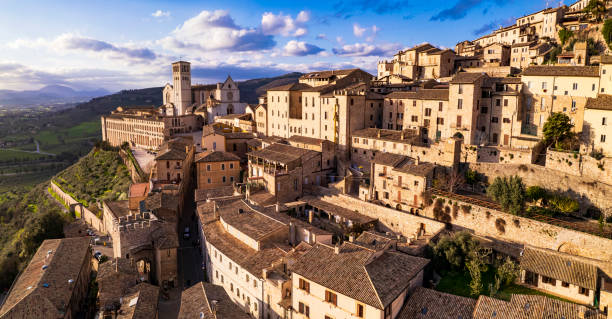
x=277 y=206
x=416 y=161
x=378 y=133
x=351 y=238
x=402 y=135
x=215 y=212
x=337 y=249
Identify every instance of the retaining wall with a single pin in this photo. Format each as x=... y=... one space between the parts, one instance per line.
x=88 y=216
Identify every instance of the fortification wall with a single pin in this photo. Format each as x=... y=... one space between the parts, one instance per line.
x=580 y=165
x=506 y=227
x=488 y=154
x=585 y=190
x=88 y=216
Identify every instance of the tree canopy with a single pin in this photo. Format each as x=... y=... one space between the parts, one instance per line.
x=606 y=31
x=596 y=9
x=557 y=127
x=509 y=192
x=564 y=35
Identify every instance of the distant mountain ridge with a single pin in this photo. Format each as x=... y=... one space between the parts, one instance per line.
x=50 y=94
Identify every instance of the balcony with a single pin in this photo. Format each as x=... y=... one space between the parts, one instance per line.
x=402 y=186
x=460 y=127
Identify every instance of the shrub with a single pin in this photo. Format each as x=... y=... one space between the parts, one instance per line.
x=508 y=271
x=564 y=204
x=534 y=193
x=509 y=193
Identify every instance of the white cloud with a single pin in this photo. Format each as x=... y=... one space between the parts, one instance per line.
x=285 y=25
x=216 y=30
x=160 y=14
x=358 y=31
x=300 y=48
x=367 y=49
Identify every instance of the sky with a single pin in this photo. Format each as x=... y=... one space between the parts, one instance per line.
x=116 y=45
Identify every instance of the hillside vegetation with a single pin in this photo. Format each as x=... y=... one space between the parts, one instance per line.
x=100 y=175
x=29 y=216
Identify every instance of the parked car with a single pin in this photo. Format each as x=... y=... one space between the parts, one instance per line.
x=97 y=255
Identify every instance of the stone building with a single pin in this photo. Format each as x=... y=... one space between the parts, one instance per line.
x=261 y=119
x=520 y=54
x=549 y=89
x=204 y=300
x=374 y=283
x=286 y=171
x=173 y=168
x=399 y=182
x=243 y=122
x=248 y=250
x=496 y=54
x=327 y=105
x=423 y=61
x=217 y=169
x=208 y=101
x=114 y=278
x=55 y=282
x=560 y=274
x=141 y=236
x=218 y=137
x=145 y=127
x=140 y=301
x=597 y=130
x=367 y=143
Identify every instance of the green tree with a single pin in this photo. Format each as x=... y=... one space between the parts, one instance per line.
x=558 y=126
x=509 y=192
x=596 y=9
x=452 y=252
x=534 y=193
x=564 y=204
x=507 y=272
x=606 y=31
x=471 y=177
x=564 y=35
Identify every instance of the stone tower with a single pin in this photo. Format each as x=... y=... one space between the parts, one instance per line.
x=181 y=77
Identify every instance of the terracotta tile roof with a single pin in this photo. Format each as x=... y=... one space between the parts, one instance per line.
x=410 y=136
x=205 y=194
x=216 y=156
x=44 y=293
x=248 y=221
x=531 y=307
x=282 y=153
x=326 y=74
x=389 y=159
x=545 y=70
x=118 y=208
x=341 y=211
x=161 y=200
x=373 y=240
x=431 y=304
x=139 y=189
x=423 y=94
x=556 y=265
x=290 y=87
x=359 y=273
x=601 y=102
x=441 y=52
x=199 y=300
x=254 y=261
x=422 y=169
x=114 y=278
x=466 y=78
x=306 y=140
x=165 y=236
x=140 y=302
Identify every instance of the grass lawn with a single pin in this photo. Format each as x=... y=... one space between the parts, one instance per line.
x=458 y=283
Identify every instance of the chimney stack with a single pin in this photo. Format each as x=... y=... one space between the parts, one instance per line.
x=215 y=212
x=378 y=133
x=351 y=238
x=402 y=135
x=310 y=216
x=416 y=161
x=292 y=239
x=337 y=249
x=277 y=207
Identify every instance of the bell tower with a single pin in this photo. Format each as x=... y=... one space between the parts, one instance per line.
x=181 y=78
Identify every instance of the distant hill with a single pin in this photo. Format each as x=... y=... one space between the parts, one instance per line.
x=250 y=90
x=48 y=95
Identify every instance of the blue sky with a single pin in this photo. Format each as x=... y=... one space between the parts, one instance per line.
x=129 y=44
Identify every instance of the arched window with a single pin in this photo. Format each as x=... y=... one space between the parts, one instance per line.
x=230 y=109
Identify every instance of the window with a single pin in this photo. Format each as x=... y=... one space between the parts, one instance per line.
x=583 y=291
x=224 y=179
x=208 y=167
x=484 y=110
x=415 y=118
x=208 y=181
x=222 y=166
x=388 y=312
x=506 y=120
x=458 y=121
x=494 y=120
x=440 y=121
x=304 y=309
x=565 y=284
x=231 y=287
x=360 y=312
x=460 y=89
x=550 y=281
x=459 y=104
x=331 y=297
x=505 y=102
x=573 y=106
x=414 y=103
x=575 y=86
x=231 y=165
x=602 y=138
x=439 y=106
x=593 y=87
x=544 y=84
x=304 y=285
x=427 y=112
x=497 y=102
x=603 y=121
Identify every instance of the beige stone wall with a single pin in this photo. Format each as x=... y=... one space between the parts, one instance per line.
x=141 y=132
x=580 y=165
x=389 y=219
x=492 y=154
x=261 y=118
x=88 y=216
x=216 y=172
x=399 y=190
x=166 y=265
x=595 y=127
x=213 y=142
x=586 y=190
x=519 y=57
x=521 y=230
